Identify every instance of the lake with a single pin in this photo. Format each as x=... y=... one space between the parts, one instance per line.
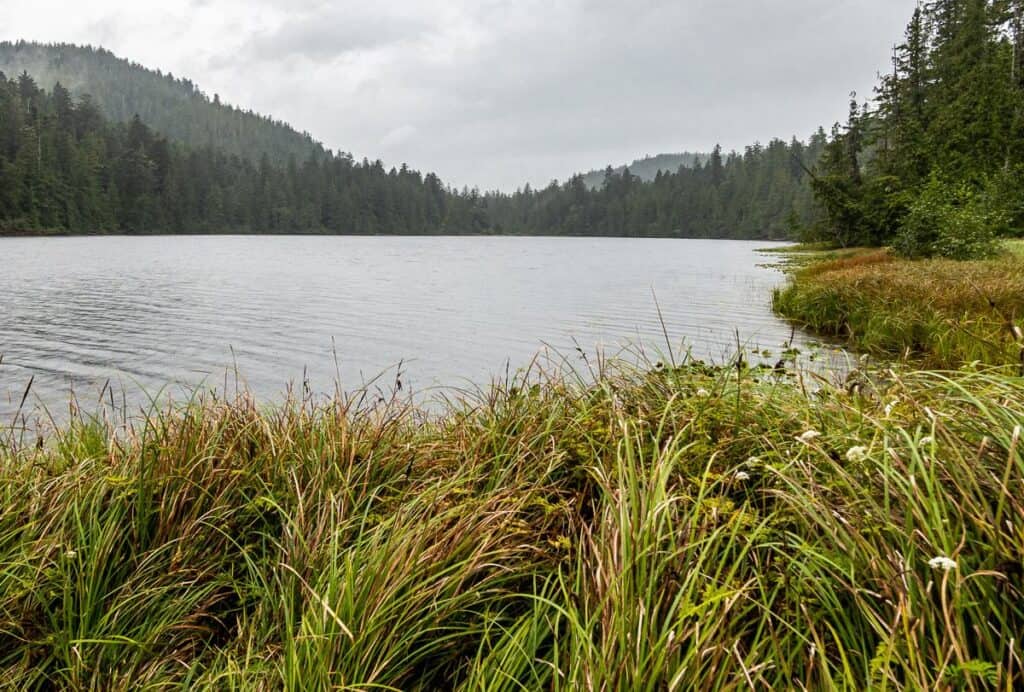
x=145 y=312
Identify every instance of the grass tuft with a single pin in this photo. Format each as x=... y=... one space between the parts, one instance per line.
x=679 y=528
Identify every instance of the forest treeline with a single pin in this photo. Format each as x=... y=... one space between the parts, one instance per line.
x=128 y=149
x=935 y=164
x=932 y=165
x=65 y=168
x=763 y=193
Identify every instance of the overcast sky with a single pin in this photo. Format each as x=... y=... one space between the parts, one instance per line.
x=498 y=92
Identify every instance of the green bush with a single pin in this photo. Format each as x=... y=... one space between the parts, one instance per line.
x=1006 y=187
x=953 y=221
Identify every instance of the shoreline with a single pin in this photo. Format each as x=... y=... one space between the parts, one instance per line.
x=242 y=234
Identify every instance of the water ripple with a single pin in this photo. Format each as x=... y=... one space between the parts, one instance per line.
x=145 y=312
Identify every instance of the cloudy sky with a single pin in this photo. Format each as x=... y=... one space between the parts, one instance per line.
x=498 y=92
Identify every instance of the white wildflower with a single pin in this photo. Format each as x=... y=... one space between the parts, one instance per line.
x=809 y=436
x=943 y=563
x=71 y=554
x=927 y=440
x=742 y=476
x=856 y=454
x=753 y=461
x=703 y=393
x=889 y=407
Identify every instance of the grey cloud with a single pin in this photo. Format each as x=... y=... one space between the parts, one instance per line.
x=500 y=92
x=646 y=77
x=326 y=35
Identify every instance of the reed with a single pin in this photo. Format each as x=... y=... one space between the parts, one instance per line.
x=650 y=528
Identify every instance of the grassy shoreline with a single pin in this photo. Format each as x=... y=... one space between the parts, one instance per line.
x=939 y=313
x=679 y=528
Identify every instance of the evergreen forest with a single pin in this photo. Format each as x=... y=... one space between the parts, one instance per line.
x=175 y=107
x=64 y=167
x=934 y=165
x=931 y=164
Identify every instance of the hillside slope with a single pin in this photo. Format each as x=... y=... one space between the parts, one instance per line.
x=65 y=169
x=174 y=107
x=763 y=193
x=647 y=168
x=179 y=162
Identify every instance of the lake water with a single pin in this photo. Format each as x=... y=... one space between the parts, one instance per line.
x=145 y=312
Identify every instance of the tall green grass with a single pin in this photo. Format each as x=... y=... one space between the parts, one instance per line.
x=675 y=528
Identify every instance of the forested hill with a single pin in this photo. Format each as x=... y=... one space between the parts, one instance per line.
x=762 y=193
x=932 y=165
x=648 y=167
x=64 y=168
x=187 y=164
x=174 y=107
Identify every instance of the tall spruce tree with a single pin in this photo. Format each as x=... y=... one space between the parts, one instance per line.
x=941 y=152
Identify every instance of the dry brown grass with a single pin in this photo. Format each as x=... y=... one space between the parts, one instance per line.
x=943 y=311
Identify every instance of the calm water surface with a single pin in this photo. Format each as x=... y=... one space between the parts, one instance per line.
x=144 y=312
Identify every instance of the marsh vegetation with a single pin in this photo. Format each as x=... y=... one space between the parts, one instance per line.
x=941 y=312
x=677 y=527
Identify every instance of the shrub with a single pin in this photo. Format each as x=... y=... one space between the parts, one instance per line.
x=953 y=221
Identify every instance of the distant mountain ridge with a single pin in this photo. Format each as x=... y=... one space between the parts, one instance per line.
x=174 y=107
x=647 y=168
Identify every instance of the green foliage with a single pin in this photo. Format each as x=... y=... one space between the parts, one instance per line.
x=1003 y=192
x=676 y=528
x=952 y=221
x=763 y=193
x=961 y=674
x=216 y=168
x=64 y=168
x=176 y=108
x=861 y=213
x=954 y=103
